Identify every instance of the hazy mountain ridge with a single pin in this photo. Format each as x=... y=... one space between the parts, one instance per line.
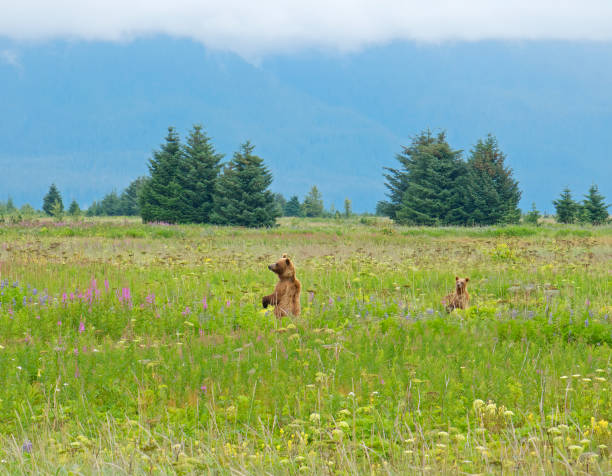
x=87 y=115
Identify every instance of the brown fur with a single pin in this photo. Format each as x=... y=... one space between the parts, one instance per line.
x=286 y=295
x=459 y=298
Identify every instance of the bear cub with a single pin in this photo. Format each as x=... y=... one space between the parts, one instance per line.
x=286 y=295
x=459 y=298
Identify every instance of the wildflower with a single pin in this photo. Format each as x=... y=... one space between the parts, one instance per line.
x=315 y=418
x=478 y=404
x=337 y=434
x=81 y=327
x=203 y=388
x=59 y=323
x=204 y=304
x=27 y=446
x=228 y=303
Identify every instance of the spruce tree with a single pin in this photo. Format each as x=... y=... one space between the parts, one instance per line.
x=397 y=179
x=433 y=193
x=10 y=206
x=566 y=208
x=162 y=196
x=50 y=199
x=492 y=193
x=110 y=205
x=313 y=203
x=594 y=206
x=241 y=196
x=199 y=172
x=293 y=207
x=280 y=202
x=533 y=216
x=74 y=209
x=130 y=197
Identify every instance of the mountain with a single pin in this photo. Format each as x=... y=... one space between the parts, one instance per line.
x=87 y=115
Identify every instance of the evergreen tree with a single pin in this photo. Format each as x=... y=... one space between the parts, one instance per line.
x=492 y=193
x=397 y=179
x=50 y=199
x=74 y=209
x=280 y=203
x=293 y=207
x=162 y=196
x=594 y=206
x=347 y=208
x=565 y=207
x=241 y=193
x=434 y=193
x=130 y=198
x=10 y=206
x=533 y=216
x=94 y=210
x=313 y=203
x=199 y=172
x=110 y=205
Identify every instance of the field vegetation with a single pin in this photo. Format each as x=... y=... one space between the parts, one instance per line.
x=143 y=349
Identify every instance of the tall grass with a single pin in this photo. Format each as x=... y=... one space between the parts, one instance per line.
x=136 y=349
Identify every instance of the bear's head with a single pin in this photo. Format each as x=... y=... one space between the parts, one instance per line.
x=461 y=284
x=283 y=267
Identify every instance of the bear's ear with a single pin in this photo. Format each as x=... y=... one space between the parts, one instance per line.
x=284 y=255
x=467 y=279
x=456 y=278
x=288 y=261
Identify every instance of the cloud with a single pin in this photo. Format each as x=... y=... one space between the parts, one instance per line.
x=259 y=27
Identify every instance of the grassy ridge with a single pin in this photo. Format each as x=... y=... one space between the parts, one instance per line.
x=142 y=348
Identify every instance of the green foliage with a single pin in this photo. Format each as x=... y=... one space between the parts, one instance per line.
x=57 y=210
x=347 y=208
x=293 y=208
x=74 y=209
x=433 y=194
x=10 y=206
x=50 y=199
x=27 y=210
x=130 y=197
x=566 y=208
x=199 y=171
x=162 y=198
x=533 y=216
x=594 y=206
x=313 y=203
x=281 y=204
x=492 y=193
x=242 y=196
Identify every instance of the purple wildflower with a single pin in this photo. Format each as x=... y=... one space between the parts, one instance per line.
x=204 y=304
x=27 y=446
x=81 y=327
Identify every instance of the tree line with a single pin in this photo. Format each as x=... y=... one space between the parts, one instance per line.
x=433 y=184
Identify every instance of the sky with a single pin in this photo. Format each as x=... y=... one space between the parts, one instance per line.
x=325 y=89
x=254 y=29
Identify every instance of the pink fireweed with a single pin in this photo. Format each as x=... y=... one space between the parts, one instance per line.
x=204 y=304
x=81 y=327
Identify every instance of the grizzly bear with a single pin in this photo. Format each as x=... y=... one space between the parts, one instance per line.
x=458 y=299
x=286 y=295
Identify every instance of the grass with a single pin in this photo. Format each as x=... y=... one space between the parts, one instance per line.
x=142 y=349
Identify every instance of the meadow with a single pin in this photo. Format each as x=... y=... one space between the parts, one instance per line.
x=143 y=349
